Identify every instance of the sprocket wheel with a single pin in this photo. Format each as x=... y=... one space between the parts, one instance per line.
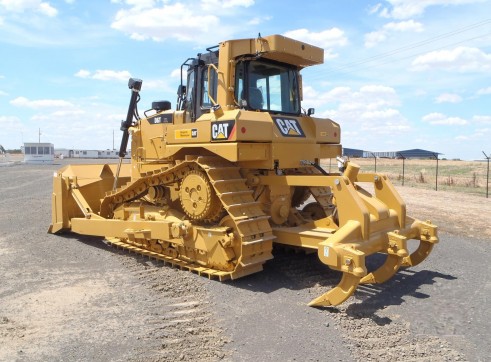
x=198 y=198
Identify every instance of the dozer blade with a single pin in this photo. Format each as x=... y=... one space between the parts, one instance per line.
x=385 y=272
x=338 y=294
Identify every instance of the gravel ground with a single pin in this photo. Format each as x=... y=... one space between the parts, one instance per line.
x=74 y=298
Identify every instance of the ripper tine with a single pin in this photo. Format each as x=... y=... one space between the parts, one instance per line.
x=385 y=272
x=428 y=237
x=419 y=255
x=338 y=294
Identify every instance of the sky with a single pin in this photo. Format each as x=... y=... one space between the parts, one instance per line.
x=397 y=75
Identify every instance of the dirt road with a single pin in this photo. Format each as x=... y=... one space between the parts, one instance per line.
x=74 y=298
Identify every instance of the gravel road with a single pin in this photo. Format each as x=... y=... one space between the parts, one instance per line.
x=74 y=298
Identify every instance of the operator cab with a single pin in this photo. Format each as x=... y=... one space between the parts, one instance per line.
x=266 y=85
x=260 y=85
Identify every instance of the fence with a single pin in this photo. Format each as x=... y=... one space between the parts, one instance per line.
x=461 y=176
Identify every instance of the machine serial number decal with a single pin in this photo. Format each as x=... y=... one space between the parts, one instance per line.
x=289 y=127
x=326 y=251
x=162 y=118
x=182 y=134
x=222 y=130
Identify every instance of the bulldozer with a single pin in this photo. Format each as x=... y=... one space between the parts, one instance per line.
x=236 y=168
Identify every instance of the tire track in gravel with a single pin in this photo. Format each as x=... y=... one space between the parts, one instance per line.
x=183 y=326
x=371 y=332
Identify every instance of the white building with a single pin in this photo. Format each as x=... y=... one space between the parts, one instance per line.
x=74 y=153
x=35 y=152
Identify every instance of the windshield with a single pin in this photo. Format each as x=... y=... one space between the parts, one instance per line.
x=268 y=86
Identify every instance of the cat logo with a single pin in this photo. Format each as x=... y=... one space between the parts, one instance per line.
x=289 y=127
x=222 y=130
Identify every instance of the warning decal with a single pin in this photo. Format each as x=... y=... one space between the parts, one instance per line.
x=182 y=134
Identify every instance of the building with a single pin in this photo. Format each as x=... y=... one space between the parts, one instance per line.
x=352 y=152
x=413 y=153
x=77 y=153
x=39 y=152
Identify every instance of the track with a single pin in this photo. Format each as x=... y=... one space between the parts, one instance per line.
x=251 y=227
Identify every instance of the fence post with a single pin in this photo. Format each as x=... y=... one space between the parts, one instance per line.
x=375 y=158
x=403 y=159
x=436 y=175
x=487 y=175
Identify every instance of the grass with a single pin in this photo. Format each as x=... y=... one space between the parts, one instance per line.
x=460 y=176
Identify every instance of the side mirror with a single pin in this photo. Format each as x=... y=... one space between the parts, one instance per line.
x=181 y=91
x=310 y=111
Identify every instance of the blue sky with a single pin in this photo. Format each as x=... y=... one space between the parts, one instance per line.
x=398 y=74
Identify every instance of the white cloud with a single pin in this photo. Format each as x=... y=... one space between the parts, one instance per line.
x=123 y=75
x=374 y=9
x=47 y=9
x=9 y=123
x=259 y=20
x=12 y=131
x=408 y=25
x=107 y=75
x=375 y=37
x=405 y=9
x=21 y=6
x=484 y=91
x=60 y=114
x=176 y=73
x=83 y=73
x=448 y=98
x=2 y=93
x=41 y=103
x=141 y=4
x=460 y=59
x=155 y=84
x=482 y=119
x=371 y=109
x=325 y=39
x=369 y=97
x=171 y=21
x=441 y=119
x=213 y=5
x=477 y=135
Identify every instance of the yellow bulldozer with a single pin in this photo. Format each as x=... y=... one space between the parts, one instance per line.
x=236 y=168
